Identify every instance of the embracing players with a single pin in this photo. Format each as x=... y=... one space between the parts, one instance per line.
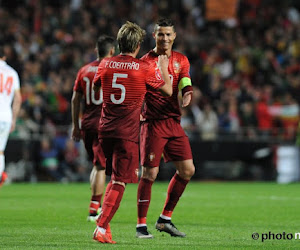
x=123 y=79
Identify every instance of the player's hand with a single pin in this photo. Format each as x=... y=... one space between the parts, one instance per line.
x=142 y=118
x=13 y=126
x=163 y=61
x=186 y=99
x=76 y=134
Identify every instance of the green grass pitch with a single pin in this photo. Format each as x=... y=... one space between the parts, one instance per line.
x=213 y=215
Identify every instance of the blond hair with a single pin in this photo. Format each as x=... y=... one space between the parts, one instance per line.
x=129 y=37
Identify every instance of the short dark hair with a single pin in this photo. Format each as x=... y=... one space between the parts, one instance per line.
x=1 y=51
x=164 y=22
x=104 y=45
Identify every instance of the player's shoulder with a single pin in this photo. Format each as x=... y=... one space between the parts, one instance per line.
x=150 y=58
x=7 y=67
x=90 y=67
x=178 y=55
x=143 y=64
x=151 y=55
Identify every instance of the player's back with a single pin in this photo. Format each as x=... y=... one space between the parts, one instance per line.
x=93 y=101
x=9 y=82
x=123 y=84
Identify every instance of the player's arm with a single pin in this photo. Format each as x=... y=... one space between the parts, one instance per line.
x=96 y=83
x=97 y=79
x=16 y=108
x=163 y=63
x=185 y=83
x=96 y=88
x=75 y=105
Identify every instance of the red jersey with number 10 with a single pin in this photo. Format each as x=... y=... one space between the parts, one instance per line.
x=123 y=80
x=156 y=105
x=93 y=101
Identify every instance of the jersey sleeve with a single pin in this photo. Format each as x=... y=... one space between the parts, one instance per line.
x=184 y=76
x=185 y=70
x=97 y=78
x=154 y=77
x=16 y=81
x=78 y=85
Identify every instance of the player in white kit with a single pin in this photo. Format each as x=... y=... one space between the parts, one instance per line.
x=10 y=103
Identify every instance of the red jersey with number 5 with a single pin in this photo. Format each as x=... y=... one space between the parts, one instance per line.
x=93 y=101
x=123 y=80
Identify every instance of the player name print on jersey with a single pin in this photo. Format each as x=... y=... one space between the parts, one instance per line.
x=92 y=69
x=122 y=65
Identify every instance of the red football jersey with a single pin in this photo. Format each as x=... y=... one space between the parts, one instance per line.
x=156 y=105
x=123 y=80
x=93 y=101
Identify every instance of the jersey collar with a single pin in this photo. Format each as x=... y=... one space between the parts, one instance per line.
x=2 y=63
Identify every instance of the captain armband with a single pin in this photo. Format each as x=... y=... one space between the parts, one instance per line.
x=185 y=81
x=185 y=85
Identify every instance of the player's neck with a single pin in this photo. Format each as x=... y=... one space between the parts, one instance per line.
x=163 y=52
x=129 y=54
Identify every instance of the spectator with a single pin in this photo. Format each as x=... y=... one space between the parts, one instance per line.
x=248 y=119
x=49 y=161
x=70 y=161
x=207 y=123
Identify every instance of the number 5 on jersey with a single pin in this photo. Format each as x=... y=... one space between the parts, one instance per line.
x=118 y=86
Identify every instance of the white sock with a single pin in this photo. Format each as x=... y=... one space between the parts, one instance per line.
x=165 y=217
x=102 y=230
x=2 y=164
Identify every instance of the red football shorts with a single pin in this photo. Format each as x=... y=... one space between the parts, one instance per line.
x=165 y=137
x=122 y=159
x=93 y=148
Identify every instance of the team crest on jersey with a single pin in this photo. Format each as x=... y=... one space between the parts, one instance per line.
x=176 y=66
x=151 y=156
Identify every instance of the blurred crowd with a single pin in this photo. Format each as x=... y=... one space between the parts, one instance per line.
x=245 y=70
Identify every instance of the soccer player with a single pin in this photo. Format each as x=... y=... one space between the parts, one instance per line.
x=123 y=80
x=10 y=104
x=105 y=47
x=161 y=133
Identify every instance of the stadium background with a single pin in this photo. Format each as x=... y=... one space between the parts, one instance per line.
x=245 y=70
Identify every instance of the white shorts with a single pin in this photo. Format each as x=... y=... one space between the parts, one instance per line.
x=4 y=133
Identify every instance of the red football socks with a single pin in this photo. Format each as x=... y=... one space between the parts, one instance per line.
x=175 y=190
x=108 y=187
x=143 y=199
x=95 y=203
x=111 y=204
